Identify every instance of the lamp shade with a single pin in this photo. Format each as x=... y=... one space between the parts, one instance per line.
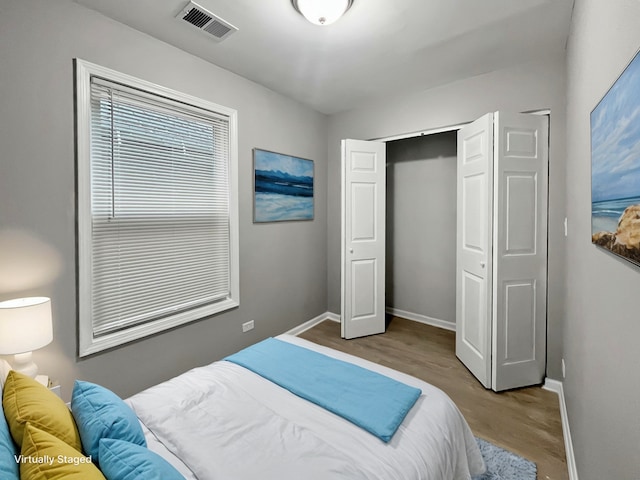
x=25 y=325
x=322 y=12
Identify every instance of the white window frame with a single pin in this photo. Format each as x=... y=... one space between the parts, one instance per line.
x=88 y=343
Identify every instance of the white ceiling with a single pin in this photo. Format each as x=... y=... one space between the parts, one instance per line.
x=380 y=48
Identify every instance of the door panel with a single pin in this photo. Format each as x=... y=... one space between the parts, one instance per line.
x=474 y=244
x=474 y=228
x=520 y=250
x=363 y=238
x=363 y=220
x=521 y=219
x=520 y=309
x=473 y=313
x=364 y=301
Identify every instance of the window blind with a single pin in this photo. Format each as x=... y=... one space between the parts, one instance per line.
x=159 y=207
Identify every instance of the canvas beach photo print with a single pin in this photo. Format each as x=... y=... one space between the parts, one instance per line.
x=615 y=166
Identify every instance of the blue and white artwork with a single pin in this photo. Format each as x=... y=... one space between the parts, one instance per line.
x=283 y=187
x=615 y=166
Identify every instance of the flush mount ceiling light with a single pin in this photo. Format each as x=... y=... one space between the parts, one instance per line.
x=322 y=12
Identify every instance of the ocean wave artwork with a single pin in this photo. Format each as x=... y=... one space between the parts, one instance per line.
x=283 y=187
x=615 y=166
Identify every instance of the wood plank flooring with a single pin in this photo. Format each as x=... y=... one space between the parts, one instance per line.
x=525 y=421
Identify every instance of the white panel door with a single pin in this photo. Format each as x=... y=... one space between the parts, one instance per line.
x=520 y=249
x=474 y=247
x=363 y=238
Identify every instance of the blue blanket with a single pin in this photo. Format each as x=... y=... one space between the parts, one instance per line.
x=368 y=399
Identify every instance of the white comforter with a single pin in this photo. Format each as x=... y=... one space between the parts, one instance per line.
x=227 y=423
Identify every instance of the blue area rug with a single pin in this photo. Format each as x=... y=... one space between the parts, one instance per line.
x=504 y=465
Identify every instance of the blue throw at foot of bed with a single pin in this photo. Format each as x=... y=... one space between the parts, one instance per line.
x=370 y=400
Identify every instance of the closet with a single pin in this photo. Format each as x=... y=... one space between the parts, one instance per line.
x=501 y=251
x=500 y=260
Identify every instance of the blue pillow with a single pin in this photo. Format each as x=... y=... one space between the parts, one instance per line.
x=8 y=450
x=126 y=461
x=100 y=413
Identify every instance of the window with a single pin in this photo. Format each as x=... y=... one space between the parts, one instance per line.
x=157 y=208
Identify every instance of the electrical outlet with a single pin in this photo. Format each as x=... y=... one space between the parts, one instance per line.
x=563 y=369
x=246 y=326
x=566 y=226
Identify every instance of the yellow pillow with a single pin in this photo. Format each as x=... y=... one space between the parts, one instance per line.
x=45 y=457
x=25 y=400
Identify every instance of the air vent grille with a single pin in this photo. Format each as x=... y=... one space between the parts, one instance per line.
x=206 y=21
x=217 y=29
x=197 y=18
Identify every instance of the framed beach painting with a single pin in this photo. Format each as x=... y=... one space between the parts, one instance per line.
x=282 y=187
x=615 y=166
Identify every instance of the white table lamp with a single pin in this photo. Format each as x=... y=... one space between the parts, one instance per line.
x=25 y=325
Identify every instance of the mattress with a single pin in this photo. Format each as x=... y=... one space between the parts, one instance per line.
x=224 y=421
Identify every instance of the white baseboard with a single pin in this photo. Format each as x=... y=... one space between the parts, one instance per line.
x=416 y=317
x=556 y=386
x=334 y=317
x=303 y=327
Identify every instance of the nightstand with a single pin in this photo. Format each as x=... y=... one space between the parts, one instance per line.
x=51 y=385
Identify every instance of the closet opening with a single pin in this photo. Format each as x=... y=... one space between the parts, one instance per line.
x=420 y=281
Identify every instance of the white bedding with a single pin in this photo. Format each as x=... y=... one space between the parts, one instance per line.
x=222 y=421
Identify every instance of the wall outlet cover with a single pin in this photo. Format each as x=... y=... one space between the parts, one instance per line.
x=248 y=326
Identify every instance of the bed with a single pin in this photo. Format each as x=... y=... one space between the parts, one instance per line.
x=224 y=421
x=247 y=428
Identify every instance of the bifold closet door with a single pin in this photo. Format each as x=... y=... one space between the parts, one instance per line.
x=473 y=250
x=363 y=238
x=521 y=168
x=501 y=277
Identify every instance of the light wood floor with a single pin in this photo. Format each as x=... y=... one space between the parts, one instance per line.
x=525 y=421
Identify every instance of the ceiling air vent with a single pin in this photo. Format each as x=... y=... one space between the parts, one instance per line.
x=206 y=21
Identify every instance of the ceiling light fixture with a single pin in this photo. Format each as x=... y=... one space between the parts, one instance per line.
x=322 y=12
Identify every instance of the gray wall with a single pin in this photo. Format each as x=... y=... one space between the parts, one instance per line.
x=602 y=325
x=524 y=88
x=285 y=268
x=421 y=226
x=282 y=266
